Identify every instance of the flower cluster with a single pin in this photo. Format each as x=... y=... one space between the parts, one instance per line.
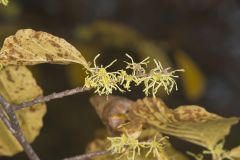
x=98 y=77
x=106 y=82
x=127 y=146
x=160 y=77
x=218 y=152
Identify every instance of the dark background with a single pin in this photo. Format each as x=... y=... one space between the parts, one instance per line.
x=207 y=30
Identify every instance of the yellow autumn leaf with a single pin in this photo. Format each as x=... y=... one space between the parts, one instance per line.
x=109 y=34
x=18 y=85
x=73 y=70
x=191 y=123
x=29 y=47
x=4 y=2
x=235 y=153
x=147 y=48
x=193 y=79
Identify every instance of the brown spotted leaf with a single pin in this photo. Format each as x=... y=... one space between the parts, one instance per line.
x=29 y=47
x=17 y=85
x=191 y=123
x=114 y=113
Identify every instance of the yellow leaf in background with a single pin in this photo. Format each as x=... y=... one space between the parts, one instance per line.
x=193 y=79
x=190 y=123
x=147 y=48
x=117 y=35
x=76 y=75
x=18 y=85
x=108 y=33
x=12 y=11
x=29 y=47
x=4 y=2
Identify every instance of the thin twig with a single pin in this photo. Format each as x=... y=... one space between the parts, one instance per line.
x=6 y=121
x=14 y=127
x=88 y=155
x=50 y=97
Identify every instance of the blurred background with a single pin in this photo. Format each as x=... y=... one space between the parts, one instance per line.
x=201 y=36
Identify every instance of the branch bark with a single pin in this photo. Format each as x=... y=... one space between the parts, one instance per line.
x=89 y=155
x=9 y=118
x=6 y=121
x=15 y=129
x=50 y=97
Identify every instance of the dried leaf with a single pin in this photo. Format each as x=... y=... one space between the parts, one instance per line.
x=193 y=80
x=29 y=47
x=191 y=123
x=18 y=85
x=110 y=111
x=113 y=112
